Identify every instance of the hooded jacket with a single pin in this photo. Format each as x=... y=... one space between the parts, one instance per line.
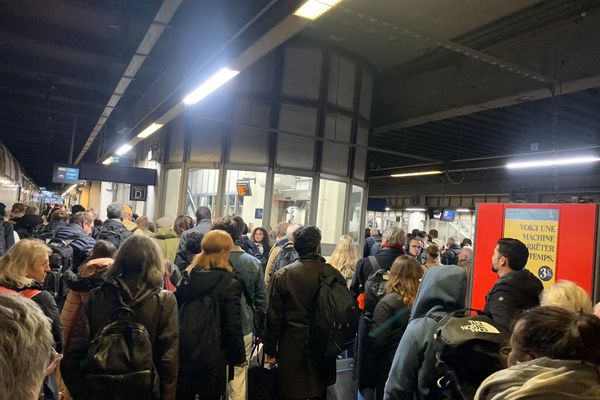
x=442 y=291
x=168 y=241
x=542 y=379
x=513 y=292
x=75 y=329
x=228 y=291
x=158 y=314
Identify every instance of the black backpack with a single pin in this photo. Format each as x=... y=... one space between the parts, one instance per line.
x=119 y=362
x=200 y=335
x=286 y=256
x=375 y=286
x=114 y=234
x=61 y=260
x=42 y=232
x=468 y=351
x=334 y=317
x=2 y=240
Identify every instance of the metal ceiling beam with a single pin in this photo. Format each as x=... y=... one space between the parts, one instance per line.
x=473 y=86
x=47 y=110
x=51 y=97
x=154 y=32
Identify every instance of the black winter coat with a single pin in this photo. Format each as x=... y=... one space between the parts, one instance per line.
x=385 y=258
x=211 y=381
x=302 y=374
x=81 y=243
x=513 y=292
x=450 y=256
x=48 y=305
x=389 y=322
x=158 y=314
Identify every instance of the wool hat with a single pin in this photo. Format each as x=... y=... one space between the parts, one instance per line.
x=164 y=222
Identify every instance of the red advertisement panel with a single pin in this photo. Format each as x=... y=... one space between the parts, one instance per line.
x=574 y=251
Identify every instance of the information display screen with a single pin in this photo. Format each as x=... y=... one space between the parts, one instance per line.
x=448 y=215
x=64 y=173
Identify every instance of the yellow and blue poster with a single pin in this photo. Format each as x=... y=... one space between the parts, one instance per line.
x=538 y=229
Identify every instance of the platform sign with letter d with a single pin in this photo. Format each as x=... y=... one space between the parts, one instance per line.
x=138 y=192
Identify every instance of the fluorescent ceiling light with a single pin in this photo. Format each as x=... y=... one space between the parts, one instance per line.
x=463 y=210
x=422 y=173
x=313 y=9
x=149 y=130
x=107 y=161
x=123 y=149
x=210 y=85
x=68 y=190
x=552 y=162
x=416 y=209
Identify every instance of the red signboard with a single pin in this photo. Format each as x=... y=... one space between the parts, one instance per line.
x=575 y=248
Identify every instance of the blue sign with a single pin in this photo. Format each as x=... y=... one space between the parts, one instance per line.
x=258 y=213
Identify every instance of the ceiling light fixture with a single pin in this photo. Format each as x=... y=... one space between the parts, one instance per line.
x=149 y=130
x=422 y=173
x=313 y=9
x=107 y=161
x=416 y=209
x=552 y=162
x=463 y=210
x=210 y=85
x=68 y=190
x=123 y=149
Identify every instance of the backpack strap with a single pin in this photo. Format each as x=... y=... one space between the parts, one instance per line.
x=374 y=263
x=30 y=293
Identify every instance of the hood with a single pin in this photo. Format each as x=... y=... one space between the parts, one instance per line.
x=56 y=225
x=443 y=288
x=113 y=222
x=212 y=281
x=166 y=233
x=543 y=378
x=95 y=265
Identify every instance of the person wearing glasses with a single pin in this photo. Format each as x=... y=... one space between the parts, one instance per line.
x=23 y=270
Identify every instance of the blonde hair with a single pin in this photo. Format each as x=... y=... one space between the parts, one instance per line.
x=216 y=247
x=405 y=275
x=15 y=263
x=567 y=295
x=345 y=257
x=139 y=254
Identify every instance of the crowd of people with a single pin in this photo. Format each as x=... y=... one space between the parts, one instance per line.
x=177 y=309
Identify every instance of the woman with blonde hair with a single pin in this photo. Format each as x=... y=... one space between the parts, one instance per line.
x=345 y=257
x=23 y=269
x=567 y=295
x=391 y=315
x=210 y=321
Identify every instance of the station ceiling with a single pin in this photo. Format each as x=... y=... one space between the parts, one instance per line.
x=62 y=60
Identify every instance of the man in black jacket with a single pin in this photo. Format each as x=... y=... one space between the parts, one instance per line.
x=517 y=288
x=77 y=234
x=302 y=373
x=450 y=256
x=112 y=229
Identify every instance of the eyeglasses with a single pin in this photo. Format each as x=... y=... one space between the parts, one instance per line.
x=415 y=246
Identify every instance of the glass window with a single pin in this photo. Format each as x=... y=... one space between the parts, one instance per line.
x=172 y=184
x=342 y=74
x=330 y=210
x=176 y=140
x=245 y=196
x=291 y=199
x=302 y=72
x=201 y=190
x=355 y=212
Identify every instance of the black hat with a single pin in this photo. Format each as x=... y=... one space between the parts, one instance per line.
x=77 y=208
x=2 y=209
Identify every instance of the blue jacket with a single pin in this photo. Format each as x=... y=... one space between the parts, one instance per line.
x=248 y=269
x=82 y=243
x=443 y=290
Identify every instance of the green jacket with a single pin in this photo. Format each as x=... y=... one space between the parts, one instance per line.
x=168 y=241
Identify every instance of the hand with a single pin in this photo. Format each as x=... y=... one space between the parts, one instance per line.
x=271 y=360
x=258 y=340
